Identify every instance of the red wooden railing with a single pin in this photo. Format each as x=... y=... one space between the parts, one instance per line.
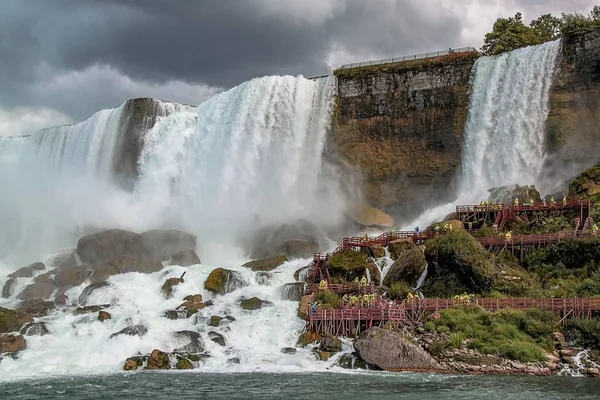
x=540 y=239
x=551 y=304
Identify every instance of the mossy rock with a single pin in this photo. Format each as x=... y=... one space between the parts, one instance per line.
x=458 y=263
x=307 y=338
x=223 y=281
x=11 y=320
x=408 y=267
x=184 y=363
x=215 y=320
x=266 y=264
x=587 y=185
x=167 y=287
x=366 y=215
x=399 y=246
x=348 y=264
x=254 y=303
x=507 y=194
x=374 y=273
x=377 y=251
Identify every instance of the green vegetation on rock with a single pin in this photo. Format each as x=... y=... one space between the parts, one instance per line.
x=348 y=264
x=515 y=334
x=327 y=299
x=587 y=185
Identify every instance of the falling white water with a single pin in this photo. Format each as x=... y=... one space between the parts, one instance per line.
x=504 y=134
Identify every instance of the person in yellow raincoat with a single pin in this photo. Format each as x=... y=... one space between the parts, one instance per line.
x=508 y=236
x=594 y=229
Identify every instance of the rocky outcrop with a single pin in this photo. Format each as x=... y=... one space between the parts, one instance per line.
x=402 y=125
x=103 y=316
x=28 y=272
x=135 y=330
x=573 y=139
x=330 y=344
x=367 y=216
x=36 y=307
x=167 y=287
x=408 y=267
x=266 y=264
x=12 y=343
x=38 y=290
x=161 y=245
x=158 y=360
x=185 y=258
x=392 y=351
x=217 y=338
x=304 y=306
x=12 y=321
x=9 y=288
x=507 y=194
x=293 y=291
x=586 y=185
x=297 y=248
x=34 y=329
x=195 y=344
x=254 y=303
x=223 y=281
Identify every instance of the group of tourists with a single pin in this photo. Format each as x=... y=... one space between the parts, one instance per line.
x=366 y=300
x=447 y=227
x=490 y=205
x=532 y=202
x=464 y=298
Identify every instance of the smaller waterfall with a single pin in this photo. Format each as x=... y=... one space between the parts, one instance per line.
x=580 y=363
x=422 y=278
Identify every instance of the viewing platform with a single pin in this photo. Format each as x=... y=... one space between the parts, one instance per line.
x=421 y=56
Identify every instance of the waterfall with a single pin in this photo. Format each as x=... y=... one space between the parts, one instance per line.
x=422 y=278
x=504 y=133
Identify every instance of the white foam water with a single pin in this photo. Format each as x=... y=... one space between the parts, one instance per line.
x=504 y=134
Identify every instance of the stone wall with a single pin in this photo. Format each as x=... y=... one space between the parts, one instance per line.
x=402 y=125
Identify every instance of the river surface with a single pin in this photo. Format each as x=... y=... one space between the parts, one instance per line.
x=330 y=386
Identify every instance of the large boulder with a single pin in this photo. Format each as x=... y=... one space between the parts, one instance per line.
x=368 y=216
x=102 y=247
x=12 y=321
x=297 y=248
x=330 y=344
x=266 y=264
x=392 y=351
x=458 y=264
x=192 y=304
x=38 y=290
x=28 y=271
x=161 y=245
x=167 y=287
x=293 y=291
x=158 y=360
x=399 y=246
x=72 y=276
x=36 y=307
x=12 y=343
x=254 y=303
x=408 y=267
x=223 y=281
x=270 y=241
x=304 y=306
x=507 y=194
x=185 y=258
x=9 y=288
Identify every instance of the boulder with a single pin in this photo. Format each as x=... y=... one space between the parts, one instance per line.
x=368 y=216
x=89 y=290
x=288 y=350
x=302 y=274
x=297 y=248
x=127 y=263
x=399 y=246
x=101 y=247
x=39 y=290
x=223 y=281
x=293 y=291
x=28 y=271
x=134 y=330
x=191 y=305
x=167 y=287
x=215 y=321
x=185 y=258
x=330 y=344
x=36 y=307
x=184 y=363
x=34 y=329
x=322 y=355
x=304 y=306
x=12 y=343
x=266 y=264
x=351 y=361
x=507 y=194
x=347 y=265
x=269 y=241
x=90 y=309
x=374 y=273
x=195 y=345
x=587 y=184
x=158 y=360
x=308 y=337
x=103 y=316
x=392 y=351
x=377 y=251
x=233 y=361
x=162 y=244
x=12 y=321
x=61 y=299
x=9 y=288
x=131 y=364
x=254 y=303
x=71 y=276
x=408 y=267
x=217 y=338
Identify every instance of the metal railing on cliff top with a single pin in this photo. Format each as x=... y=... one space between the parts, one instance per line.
x=407 y=58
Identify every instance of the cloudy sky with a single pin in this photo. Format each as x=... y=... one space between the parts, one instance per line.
x=62 y=60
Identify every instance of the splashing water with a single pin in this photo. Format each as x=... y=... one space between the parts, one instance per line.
x=504 y=134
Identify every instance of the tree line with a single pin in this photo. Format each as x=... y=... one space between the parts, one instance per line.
x=512 y=33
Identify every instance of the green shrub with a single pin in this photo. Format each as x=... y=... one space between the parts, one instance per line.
x=429 y=326
x=522 y=351
x=457 y=340
x=443 y=329
x=436 y=348
x=327 y=299
x=588 y=288
x=399 y=290
x=584 y=332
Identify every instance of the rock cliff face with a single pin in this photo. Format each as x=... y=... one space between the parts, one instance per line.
x=402 y=125
x=573 y=136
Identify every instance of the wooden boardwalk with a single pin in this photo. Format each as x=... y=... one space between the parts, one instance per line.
x=342 y=288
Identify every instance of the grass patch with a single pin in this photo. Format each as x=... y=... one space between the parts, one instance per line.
x=399 y=290
x=327 y=299
x=348 y=264
x=515 y=334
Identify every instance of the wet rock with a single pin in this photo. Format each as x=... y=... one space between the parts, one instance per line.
x=233 y=361
x=135 y=330
x=266 y=264
x=322 y=355
x=34 y=329
x=191 y=305
x=288 y=350
x=377 y=251
x=293 y=291
x=389 y=350
x=217 y=338
x=184 y=363
x=507 y=194
x=163 y=244
x=374 y=273
x=254 y=303
x=223 y=281
x=36 y=307
x=38 y=290
x=352 y=361
x=9 y=288
x=103 y=316
x=158 y=360
x=27 y=272
x=264 y=278
x=61 y=299
x=11 y=320
x=90 y=309
x=195 y=345
x=301 y=274
x=330 y=344
x=399 y=246
x=131 y=364
x=100 y=248
x=12 y=343
x=83 y=298
x=296 y=248
x=175 y=314
x=304 y=306
x=185 y=258
x=408 y=267
x=595 y=372
x=167 y=287
x=71 y=276
x=307 y=338
x=215 y=320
